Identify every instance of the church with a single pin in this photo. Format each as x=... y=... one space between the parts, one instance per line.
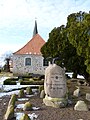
x=29 y=59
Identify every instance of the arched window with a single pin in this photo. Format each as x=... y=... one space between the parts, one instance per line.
x=27 y=61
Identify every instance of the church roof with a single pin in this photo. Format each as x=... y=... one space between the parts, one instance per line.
x=33 y=46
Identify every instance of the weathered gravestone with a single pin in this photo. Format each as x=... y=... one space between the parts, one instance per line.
x=81 y=106
x=55 y=86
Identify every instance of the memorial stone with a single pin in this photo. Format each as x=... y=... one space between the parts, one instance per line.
x=55 y=85
x=55 y=82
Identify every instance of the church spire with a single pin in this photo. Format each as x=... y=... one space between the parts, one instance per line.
x=35 y=31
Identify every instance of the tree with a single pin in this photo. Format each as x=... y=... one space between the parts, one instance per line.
x=78 y=27
x=58 y=45
x=72 y=44
x=7 y=56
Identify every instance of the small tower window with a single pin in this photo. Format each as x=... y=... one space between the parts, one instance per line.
x=45 y=62
x=27 y=61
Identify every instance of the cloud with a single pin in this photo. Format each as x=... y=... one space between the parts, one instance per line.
x=17 y=18
x=46 y=11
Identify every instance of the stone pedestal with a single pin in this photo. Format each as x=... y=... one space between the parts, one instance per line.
x=55 y=102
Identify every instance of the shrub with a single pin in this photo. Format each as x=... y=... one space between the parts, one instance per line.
x=26 y=79
x=28 y=91
x=32 y=82
x=36 y=78
x=10 y=81
x=25 y=83
x=41 y=82
x=20 y=80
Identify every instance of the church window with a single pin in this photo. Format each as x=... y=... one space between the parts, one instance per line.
x=27 y=61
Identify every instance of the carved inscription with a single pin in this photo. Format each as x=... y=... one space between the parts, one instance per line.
x=55 y=82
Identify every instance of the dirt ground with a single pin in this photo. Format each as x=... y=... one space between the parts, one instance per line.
x=50 y=113
x=45 y=112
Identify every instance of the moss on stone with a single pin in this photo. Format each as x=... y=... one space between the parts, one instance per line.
x=54 y=99
x=28 y=91
x=25 y=117
x=13 y=100
x=55 y=102
x=27 y=106
x=9 y=113
x=20 y=80
x=31 y=80
x=41 y=87
x=21 y=93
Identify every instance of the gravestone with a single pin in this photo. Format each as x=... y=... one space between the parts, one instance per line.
x=81 y=106
x=77 y=92
x=55 y=85
x=88 y=96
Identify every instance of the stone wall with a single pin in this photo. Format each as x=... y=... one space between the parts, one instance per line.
x=36 y=66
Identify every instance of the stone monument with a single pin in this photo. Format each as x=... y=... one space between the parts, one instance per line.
x=55 y=86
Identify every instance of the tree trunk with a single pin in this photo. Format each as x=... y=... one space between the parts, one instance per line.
x=74 y=75
x=87 y=77
x=7 y=67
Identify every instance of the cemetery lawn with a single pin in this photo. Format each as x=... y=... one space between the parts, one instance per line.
x=46 y=113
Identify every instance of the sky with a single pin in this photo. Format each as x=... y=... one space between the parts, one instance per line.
x=17 y=19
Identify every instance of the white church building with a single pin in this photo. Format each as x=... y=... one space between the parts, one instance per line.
x=29 y=59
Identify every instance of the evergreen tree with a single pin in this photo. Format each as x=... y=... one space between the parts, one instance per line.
x=71 y=43
x=78 y=27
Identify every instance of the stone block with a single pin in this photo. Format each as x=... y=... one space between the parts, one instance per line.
x=81 y=106
x=9 y=113
x=88 y=96
x=55 y=102
x=77 y=92
x=25 y=117
x=42 y=94
x=27 y=106
x=12 y=100
x=21 y=93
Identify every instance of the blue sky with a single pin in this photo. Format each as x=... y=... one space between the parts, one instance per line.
x=17 y=19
